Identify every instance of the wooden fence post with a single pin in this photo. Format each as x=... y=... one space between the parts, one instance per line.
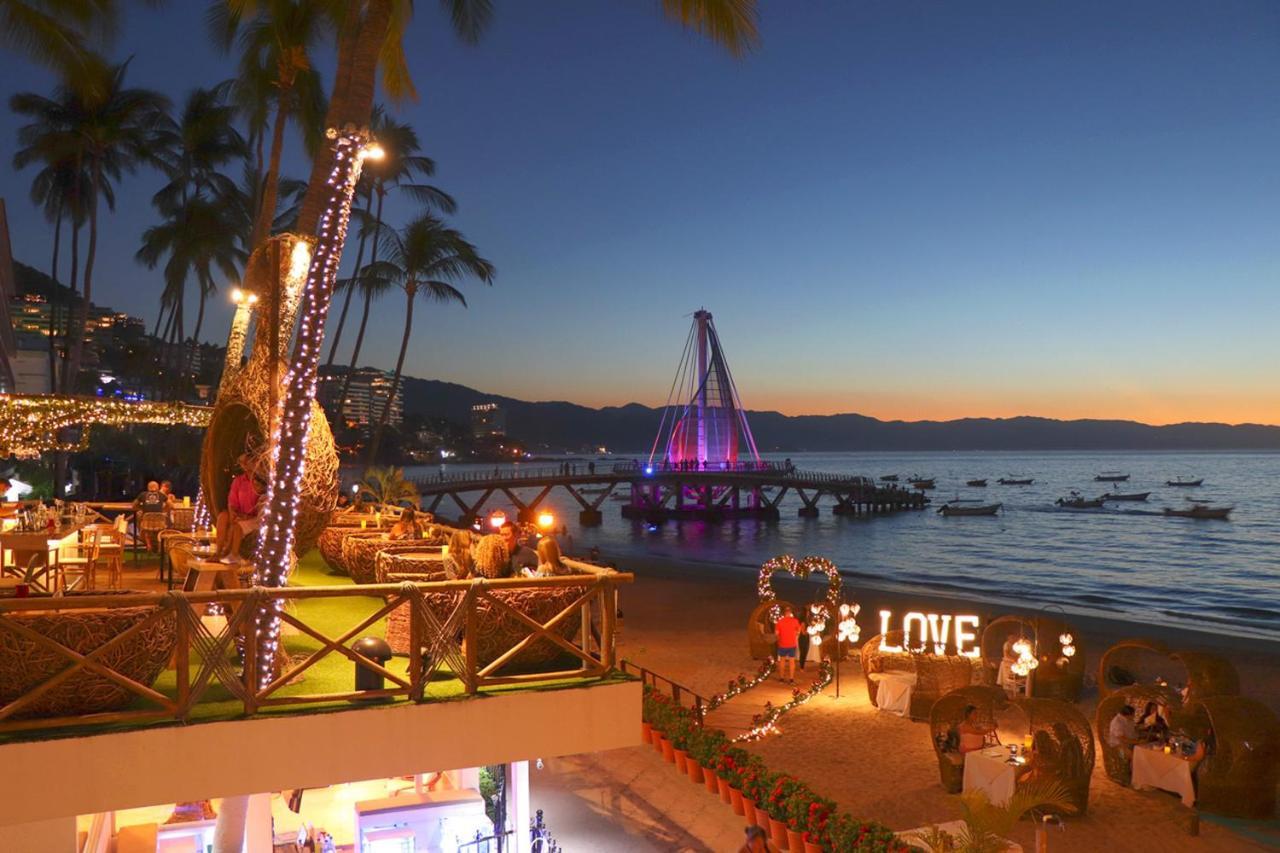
x=182 y=656
x=469 y=638
x=417 y=669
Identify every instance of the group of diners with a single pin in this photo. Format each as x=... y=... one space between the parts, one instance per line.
x=543 y=560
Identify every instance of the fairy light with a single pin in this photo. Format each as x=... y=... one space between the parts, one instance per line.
x=801 y=569
x=763 y=725
x=1068 y=645
x=742 y=684
x=847 y=627
x=273 y=559
x=1026 y=658
x=30 y=423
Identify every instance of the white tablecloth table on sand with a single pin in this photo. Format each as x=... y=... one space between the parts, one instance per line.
x=951 y=827
x=1153 y=768
x=893 y=691
x=988 y=770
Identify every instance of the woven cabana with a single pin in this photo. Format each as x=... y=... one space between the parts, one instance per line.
x=1208 y=675
x=936 y=675
x=1238 y=776
x=1058 y=676
x=1118 y=761
x=25 y=664
x=1138 y=662
x=420 y=564
x=1071 y=759
x=360 y=554
x=759 y=629
x=947 y=713
x=330 y=544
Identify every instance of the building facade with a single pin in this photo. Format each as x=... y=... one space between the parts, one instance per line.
x=488 y=420
x=367 y=394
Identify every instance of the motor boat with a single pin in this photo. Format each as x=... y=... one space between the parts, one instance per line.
x=1079 y=501
x=977 y=484
x=1015 y=481
x=959 y=509
x=1185 y=483
x=1202 y=511
x=1111 y=477
x=1131 y=496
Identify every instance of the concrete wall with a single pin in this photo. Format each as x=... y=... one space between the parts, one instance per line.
x=43 y=780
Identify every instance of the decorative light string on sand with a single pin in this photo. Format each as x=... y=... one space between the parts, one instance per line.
x=742 y=684
x=30 y=423
x=802 y=569
x=274 y=558
x=766 y=724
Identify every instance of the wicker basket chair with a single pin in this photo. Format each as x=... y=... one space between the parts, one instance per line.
x=1069 y=730
x=1208 y=675
x=1118 y=761
x=875 y=661
x=1239 y=775
x=759 y=644
x=25 y=665
x=1144 y=661
x=1057 y=676
x=936 y=676
x=947 y=713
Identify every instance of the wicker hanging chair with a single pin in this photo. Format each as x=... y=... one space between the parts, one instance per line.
x=1238 y=776
x=1117 y=761
x=1138 y=662
x=947 y=713
x=242 y=411
x=1058 y=676
x=1070 y=754
x=1208 y=675
x=759 y=629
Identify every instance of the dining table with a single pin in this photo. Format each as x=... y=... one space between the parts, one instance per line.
x=1153 y=767
x=988 y=770
x=21 y=549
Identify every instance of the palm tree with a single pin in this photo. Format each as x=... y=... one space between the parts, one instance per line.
x=399 y=164
x=388 y=487
x=425 y=259
x=55 y=33
x=276 y=70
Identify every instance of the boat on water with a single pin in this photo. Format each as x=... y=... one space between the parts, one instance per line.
x=916 y=478
x=977 y=484
x=1184 y=483
x=889 y=478
x=1079 y=501
x=1131 y=496
x=1111 y=477
x=1016 y=481
x=951 y=509
x=923 y=484
x=1203 y=511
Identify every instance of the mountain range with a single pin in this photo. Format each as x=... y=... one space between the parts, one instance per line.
x=631 y=428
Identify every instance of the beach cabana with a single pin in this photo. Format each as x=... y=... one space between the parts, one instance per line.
x=1150 y=662
x=1059 y=675
x=947 y=713
x=1238 y=776
x=1208 y=675
x=329 y=543
x=1117 y=760
x=1069 y=743
x=935 y=675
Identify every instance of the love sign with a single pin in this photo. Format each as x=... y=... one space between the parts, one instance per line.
x=936 y=629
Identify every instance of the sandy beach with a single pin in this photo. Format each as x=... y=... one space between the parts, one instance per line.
x=688 y=623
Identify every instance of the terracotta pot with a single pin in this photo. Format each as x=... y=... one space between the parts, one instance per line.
x=709 y=778
x=778 y=832
x=762 y=818
x=735 y=800
x=646 y=732
x=682 y=757
x=810 y=847
x=656 y=739
x=668 y=752
x=694 y=769
x=725 y=796
x=749 y=811
x=795 y=840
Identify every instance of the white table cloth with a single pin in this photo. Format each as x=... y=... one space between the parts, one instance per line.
x=988 y=770
x=1152 y=768
x=893 y=691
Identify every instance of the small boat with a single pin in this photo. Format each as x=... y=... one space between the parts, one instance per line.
x=1132 y=496
x=1184 y=483
x=922 y=484
x=1079 y=501
x=889 y=478
x=916 y=478
x=977 y=484
x=984 y=509
x=1013 y=481
x=1202 y=511
x=1111 y=477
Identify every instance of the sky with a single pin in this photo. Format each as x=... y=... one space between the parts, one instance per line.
x=904 y=209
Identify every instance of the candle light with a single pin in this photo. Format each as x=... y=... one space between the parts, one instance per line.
x=364 y=523
x=186 y=501
x=1027 y=741
x=1167 y=749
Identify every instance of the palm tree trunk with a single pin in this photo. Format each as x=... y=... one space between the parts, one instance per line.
x=71 y=302
x=271 y=185
x=195 y=333
x=368 y=300
x=72 y=374
x=53 y=302
x=395 y=380
x=346 y=302
x=326 y=212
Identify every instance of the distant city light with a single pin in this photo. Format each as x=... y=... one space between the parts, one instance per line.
x=648 y=470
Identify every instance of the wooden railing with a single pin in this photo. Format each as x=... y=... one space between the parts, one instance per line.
x=443 y=621
x=680 y=694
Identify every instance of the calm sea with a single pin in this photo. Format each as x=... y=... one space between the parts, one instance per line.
x=1126 y=559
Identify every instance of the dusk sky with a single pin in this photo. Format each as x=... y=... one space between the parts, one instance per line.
x=902 y=209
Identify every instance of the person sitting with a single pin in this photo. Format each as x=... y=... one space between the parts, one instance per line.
x=458 y=562
x=1070 y=753
x=240 y=518
x=757 y=841
x=149 y=507
x=1042 y=761
x=788 y=630
x=1153 y=723
x=973 y=732
x=406 y=527
x=1122 y=731
x=550 y=563
x=522 y=556
x=170 y=499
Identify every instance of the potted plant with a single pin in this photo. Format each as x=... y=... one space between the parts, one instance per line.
x=757 y=782
x=679 y=731
x=812 y=823
x=985 y=826
x=776 y=805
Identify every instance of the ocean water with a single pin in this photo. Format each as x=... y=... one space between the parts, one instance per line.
x=1128 y=559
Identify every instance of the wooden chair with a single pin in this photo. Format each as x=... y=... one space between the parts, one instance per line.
x=82 y=560
x=111 y=544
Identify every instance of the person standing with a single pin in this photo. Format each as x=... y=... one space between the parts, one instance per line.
x=804 y=637
x=788 y=631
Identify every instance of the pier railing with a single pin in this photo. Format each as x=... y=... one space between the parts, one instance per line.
x=681 y=695
x=105 y=660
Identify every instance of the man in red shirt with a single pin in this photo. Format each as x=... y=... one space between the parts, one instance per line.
x=788 y=630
